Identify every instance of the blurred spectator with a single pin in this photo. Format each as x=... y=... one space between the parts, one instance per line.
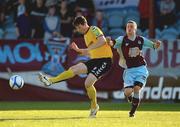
x=2 y=18
x=177 y=3
x=2 y=15
x=37 y=17
x=11 y=6
x=100 y=21
x=83 y=4
x=144 y=13
x=78 y=12
x=66 y=19
x=51 y=22
x=23 y=23
x=167 y=13
x=87 y=9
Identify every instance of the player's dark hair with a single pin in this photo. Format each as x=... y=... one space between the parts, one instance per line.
x=79 y=20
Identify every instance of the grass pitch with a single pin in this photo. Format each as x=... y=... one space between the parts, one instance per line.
x=74 y=114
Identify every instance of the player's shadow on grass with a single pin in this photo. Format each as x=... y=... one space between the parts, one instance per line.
x=63 y=118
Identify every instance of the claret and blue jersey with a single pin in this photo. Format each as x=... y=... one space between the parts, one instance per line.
x=131 y=58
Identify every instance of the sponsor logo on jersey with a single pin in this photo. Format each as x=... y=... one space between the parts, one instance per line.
x=139 y=42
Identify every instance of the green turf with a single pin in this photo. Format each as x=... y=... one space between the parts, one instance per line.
x=71 y=114
x=84 y=105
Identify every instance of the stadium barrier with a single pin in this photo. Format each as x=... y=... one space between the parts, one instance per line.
x=28 y=57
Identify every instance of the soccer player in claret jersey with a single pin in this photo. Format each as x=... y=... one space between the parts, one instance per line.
x=129 y=48
x=101 y=60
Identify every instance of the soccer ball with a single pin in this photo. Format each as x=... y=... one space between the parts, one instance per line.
x=16 y=82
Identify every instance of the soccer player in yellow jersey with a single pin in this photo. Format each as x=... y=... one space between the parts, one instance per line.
x=101 y=60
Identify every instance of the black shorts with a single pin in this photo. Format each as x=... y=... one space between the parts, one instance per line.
x=98 y=67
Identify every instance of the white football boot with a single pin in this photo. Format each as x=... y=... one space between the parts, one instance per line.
x=93 y=112
x=44 y=79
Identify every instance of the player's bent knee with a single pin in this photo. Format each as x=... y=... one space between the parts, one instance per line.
x=137 y=88
x=74 y=70
x=139 y=84
x=128 y=91
x=128 y=94
x=90 y=80
x=89 y=83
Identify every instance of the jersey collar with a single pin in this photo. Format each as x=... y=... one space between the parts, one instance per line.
x=87 y=30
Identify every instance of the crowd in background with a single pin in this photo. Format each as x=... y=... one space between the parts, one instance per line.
x=44 y=19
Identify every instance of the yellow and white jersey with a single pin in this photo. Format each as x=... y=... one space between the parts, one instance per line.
x=91 y=37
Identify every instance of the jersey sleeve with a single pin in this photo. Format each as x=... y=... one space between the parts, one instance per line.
x=148 y=43
x=96 y=31
x=118 y=42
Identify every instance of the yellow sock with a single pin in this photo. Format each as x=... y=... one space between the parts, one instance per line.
x=91 y=91
x=63 y=76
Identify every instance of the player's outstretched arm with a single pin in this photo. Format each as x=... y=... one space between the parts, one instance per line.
x=157 y=44
x=77 y=49
x=74 y=47
x=101 y=40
